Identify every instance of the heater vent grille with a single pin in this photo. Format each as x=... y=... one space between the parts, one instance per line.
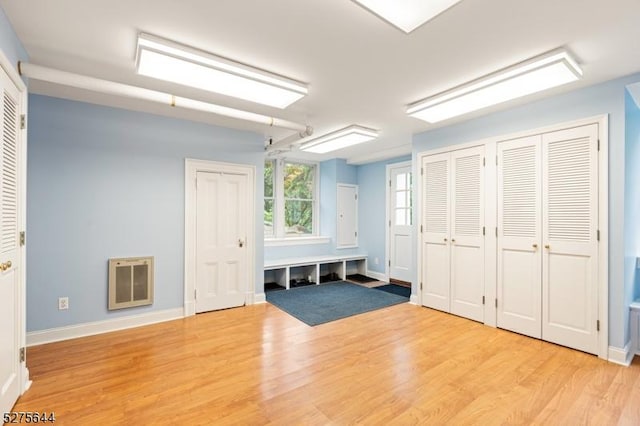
x=130 y=282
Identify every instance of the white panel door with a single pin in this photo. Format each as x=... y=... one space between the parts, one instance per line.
x=221 y=234
x=9 y=245
x=347 y=216
x=519 y=236
x=435 y=238
x=570 y=259
x=400 y=226
x=467 y=240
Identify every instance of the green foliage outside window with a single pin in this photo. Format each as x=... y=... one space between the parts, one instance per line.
x=298 y=198
x=297 y=187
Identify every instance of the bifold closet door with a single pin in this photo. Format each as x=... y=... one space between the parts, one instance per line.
x=519 y=236
x=435 y=239
x=453 y=241
x=467 y=241
x=547 y=237
x=570 y=222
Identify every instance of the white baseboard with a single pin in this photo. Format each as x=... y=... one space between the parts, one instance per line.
x=621 y=356
x=99 y=327
x=380 y=276
x=414 y=299
x=260 y=298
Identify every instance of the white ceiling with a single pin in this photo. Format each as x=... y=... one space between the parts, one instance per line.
x=360 y=69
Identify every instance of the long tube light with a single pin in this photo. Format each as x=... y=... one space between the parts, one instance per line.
x=339 y=139
x=552 y=69
x=177 y=63
x=93 y=84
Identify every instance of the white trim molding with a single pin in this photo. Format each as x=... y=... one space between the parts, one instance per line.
x=260 y=298
x=105 y=326
x=622 y=356
x=295 y=241
x=380 y=276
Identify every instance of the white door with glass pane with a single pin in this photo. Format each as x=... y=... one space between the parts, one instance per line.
x=221 y=240
x=347 y=227
x=10 y=256
x=400 y=226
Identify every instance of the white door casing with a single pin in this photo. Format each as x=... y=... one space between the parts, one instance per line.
x=347 y=209
x=13 y=373
x=570 y=227
x=221 y=249
x=519 y=236
x=399 y=206
x=467 y=239
x=436 y=228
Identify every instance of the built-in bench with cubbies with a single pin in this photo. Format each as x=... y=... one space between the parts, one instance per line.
x=288 y=273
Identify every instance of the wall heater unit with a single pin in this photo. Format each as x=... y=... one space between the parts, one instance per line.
x=130 y=282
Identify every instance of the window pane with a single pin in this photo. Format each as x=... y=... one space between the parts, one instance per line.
x=298 y=181
x=268 y=217
x=401 y=217
x=268 y=178
x=401 y=199
x=298 y=217
x=401 y=181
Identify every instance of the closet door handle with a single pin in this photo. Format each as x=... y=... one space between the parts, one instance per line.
x=453 y=240
x=547 y=246
x=535 y=246
x=445 y=240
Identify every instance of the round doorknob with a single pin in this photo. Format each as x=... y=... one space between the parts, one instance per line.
x=445 y=240
x=535 y=246
x=8 y=264
x=453 y=240
x=547 y=246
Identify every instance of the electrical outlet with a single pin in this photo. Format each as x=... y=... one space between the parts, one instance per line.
x=63 y=303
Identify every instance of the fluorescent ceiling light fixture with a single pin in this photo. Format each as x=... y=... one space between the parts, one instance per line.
x=339 y=139
x=407 y=14
x=170 y=61
x=535 y=75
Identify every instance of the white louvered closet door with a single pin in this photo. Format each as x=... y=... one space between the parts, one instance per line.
x=467 y=241
x=9 y=244
x=519 y=236
x=570 y=259
x=435 y=239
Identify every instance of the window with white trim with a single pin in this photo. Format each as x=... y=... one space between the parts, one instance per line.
x=290 y=205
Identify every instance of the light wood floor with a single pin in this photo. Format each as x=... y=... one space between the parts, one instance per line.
x=257 y=365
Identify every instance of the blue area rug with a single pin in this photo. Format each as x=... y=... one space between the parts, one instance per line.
x=318 y=304
x=395 y=289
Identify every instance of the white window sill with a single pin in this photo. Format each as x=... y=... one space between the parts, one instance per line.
x=295 y=241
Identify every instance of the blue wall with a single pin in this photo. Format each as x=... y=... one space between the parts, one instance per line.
x=10 y=44
x=605 y=98
x=632 y=198
x=332 y=172
x=106 y=182
x=372 y=210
